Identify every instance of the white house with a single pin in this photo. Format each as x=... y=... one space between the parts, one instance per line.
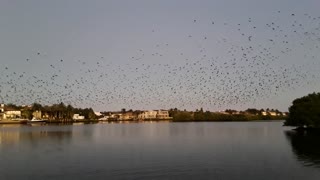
x=148 y=115
x=154 y=114
x=163 y=114
x=127 y=116
x=77 y=117
x=12 y=114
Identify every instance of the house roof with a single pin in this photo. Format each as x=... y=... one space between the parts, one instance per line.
x=10 y=109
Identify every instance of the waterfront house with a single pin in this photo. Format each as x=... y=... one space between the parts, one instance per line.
x=1 y=111
x=163 y=114
x=12 y=114
x=77 y=117
x=41 y=115
x=148 y=115
x=118 y=116
x=1 y=108
x=105 y=116
x=272 y=113
x=154 y=114
x=115 y=116
x=127 y=116
x=37 y=114
x=111 y=116
x=9 y=112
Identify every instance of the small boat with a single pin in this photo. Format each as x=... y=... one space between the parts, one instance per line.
x=35 y=120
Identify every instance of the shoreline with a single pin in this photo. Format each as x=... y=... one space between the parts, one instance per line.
x=13 y=122
x=307 y=130
x=124 y=121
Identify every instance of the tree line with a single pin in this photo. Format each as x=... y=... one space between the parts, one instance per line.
x=228 y=115
x=305 y=112
x=53 y=112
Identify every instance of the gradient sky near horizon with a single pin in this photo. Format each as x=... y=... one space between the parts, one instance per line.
x=152 y=54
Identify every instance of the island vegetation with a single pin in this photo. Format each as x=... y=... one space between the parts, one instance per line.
x=304 y=112
x=250 y=114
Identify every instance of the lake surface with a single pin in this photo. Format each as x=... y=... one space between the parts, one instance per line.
x=202 y=150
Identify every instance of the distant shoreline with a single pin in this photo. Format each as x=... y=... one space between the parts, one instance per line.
x=128 y=121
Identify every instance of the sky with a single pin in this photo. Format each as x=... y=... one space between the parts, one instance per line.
x=152 y=54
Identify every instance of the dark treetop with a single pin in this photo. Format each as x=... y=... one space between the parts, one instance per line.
x=305 y=111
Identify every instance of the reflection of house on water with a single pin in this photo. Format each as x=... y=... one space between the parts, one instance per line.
x=9 y=137
x=12 y=137
x=45 y=135
x=306 y=147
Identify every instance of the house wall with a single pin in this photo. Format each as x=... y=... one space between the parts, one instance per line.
x=162 y=114
x=77 y=117
x=12 y=114
x=37 y=114
x=1 y=111
x=1 y=108
x=127 y=116
x=273 y=113
x=149 y=115
x=159 y=114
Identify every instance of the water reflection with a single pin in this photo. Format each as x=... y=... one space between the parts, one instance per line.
x=306 y=147
x=33 y=135
x=254 y=150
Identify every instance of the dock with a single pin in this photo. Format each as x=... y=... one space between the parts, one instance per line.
x=13 y=122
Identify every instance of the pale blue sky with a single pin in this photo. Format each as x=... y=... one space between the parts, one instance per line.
x=159 y=54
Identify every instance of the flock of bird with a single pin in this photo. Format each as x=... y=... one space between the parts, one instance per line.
x=223 y=72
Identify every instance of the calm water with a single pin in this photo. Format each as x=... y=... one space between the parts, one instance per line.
x=231 y=150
